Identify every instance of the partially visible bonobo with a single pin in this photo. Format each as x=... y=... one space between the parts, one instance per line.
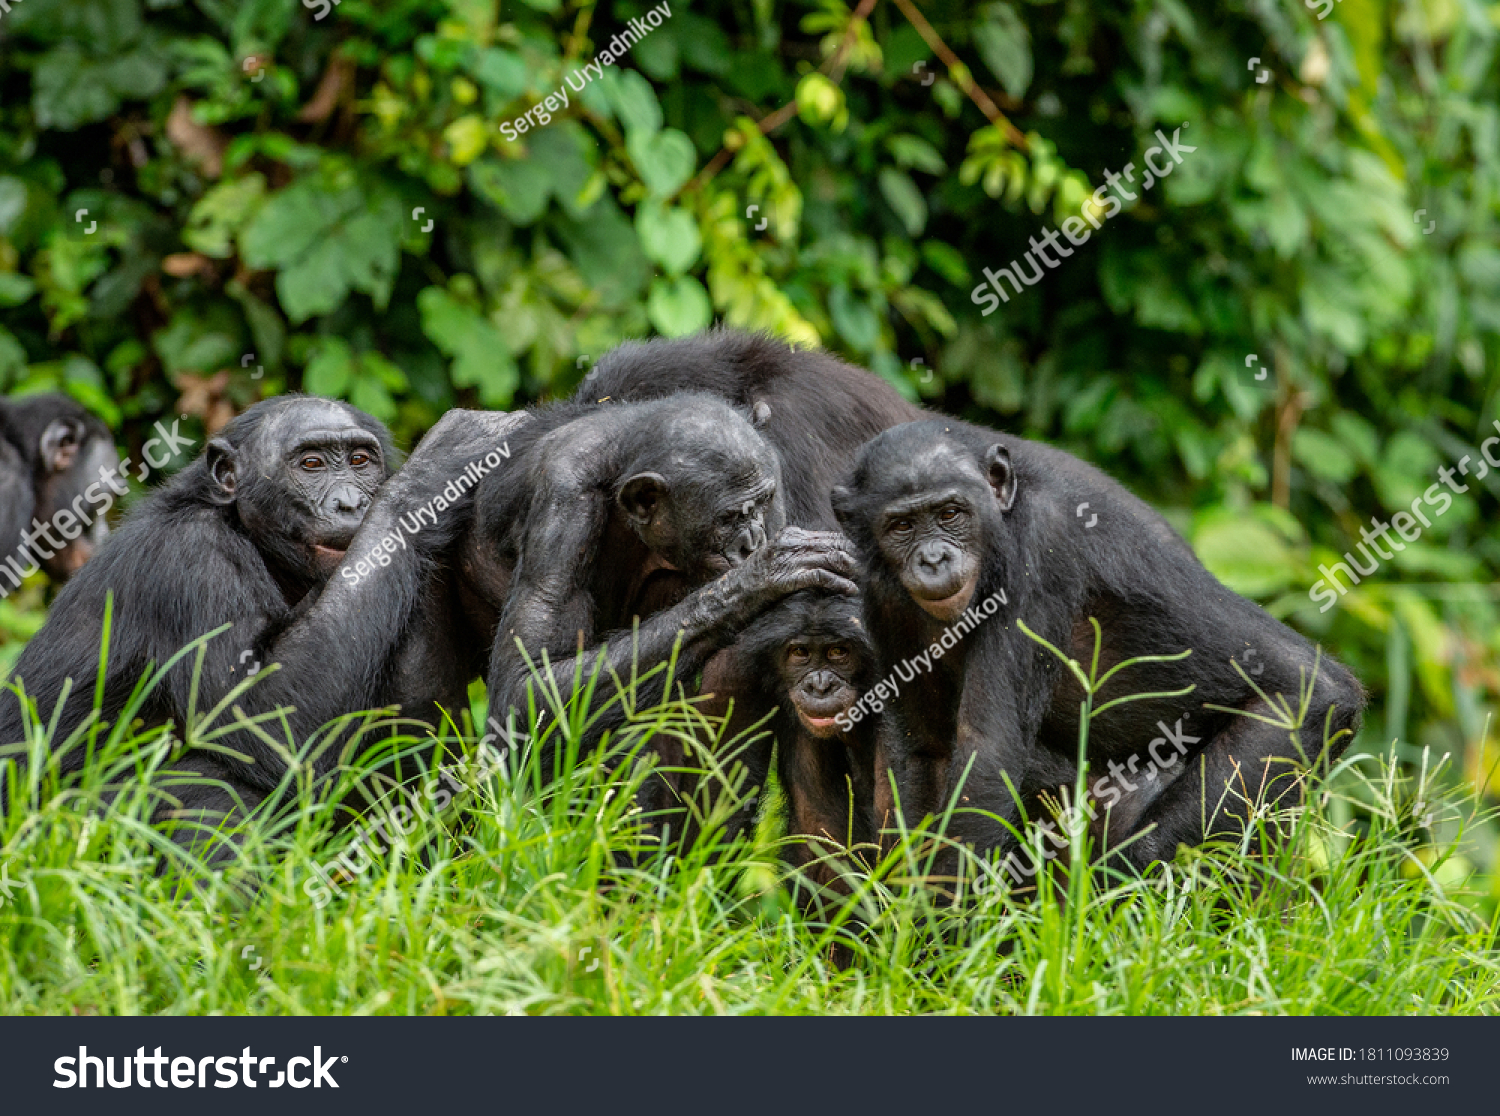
x=598 y=500
x=249 y=534
x=810 y=659
x=58 y=476
x=946 y=516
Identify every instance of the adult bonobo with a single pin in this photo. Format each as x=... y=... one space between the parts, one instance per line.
x=949 y=517
x=597 y=500
x=249 y=534
x=58 y=476
x=811 y=661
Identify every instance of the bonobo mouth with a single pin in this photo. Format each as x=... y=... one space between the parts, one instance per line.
x=945 y=608
x=822 y=725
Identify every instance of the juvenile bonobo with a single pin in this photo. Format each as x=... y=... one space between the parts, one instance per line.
x=946 y=516
x=810 y=660
x=249 y=534
x=58 y=476
x=599 y=501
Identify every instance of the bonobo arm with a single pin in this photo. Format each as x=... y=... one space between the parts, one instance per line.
x=553 y=611
x=339 y=656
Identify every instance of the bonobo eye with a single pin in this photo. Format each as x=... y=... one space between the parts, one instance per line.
x=359 y=459
x=899 y=526
x=797 y=653
x=311 y=462
x=836 y=654
x=950 y=513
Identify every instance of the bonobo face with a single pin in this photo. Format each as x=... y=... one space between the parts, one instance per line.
x=819 y=675
x=302 y=483
x=710 y=500
x=927 y=508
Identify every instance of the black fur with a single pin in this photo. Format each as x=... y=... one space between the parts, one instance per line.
x=939 y=509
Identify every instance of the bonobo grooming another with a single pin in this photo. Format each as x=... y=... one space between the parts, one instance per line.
x=58 y=476
x=599 y=499
x=249 y=534
x=944 y=515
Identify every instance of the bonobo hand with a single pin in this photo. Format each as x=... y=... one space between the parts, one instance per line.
x=794 y=560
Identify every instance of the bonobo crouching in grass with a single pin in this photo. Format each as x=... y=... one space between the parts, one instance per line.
x=944 y=515
x=58 y=476
x=249 y=535
x=810 y=660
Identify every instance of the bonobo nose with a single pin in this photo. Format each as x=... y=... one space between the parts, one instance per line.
x=822 y=683
x=934 y=556
x=348 y=500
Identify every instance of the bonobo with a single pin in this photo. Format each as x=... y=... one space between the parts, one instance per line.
x=810 y=659
x=58 y=476
x=816 y=411
x=249 y=534
x=946 y=516
x=600 y=502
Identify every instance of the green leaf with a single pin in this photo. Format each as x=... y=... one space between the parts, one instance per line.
x=664 y=161
x=1005 y=45
x=668 y=236
x=634 y=101
x=15 y=289
x=902 y=195
x=325 y=243
x=1245 y=553
x=481 y=358
x=678 y=307
x=330 y=372
x=1323 y=456
x=517 y=188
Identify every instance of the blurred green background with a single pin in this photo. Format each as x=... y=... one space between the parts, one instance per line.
x=286 y=202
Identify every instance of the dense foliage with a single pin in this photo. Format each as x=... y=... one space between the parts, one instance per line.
x=1287 y=336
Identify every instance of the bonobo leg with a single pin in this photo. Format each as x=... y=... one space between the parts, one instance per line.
x=206 y=807
x=1248 y=764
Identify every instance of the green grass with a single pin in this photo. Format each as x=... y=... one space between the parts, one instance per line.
x=504 y=907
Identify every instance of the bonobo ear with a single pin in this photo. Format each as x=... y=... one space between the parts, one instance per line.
x=59 y=445
x=843 y=504
x=1001 y=476
x=760 y=414
x=640 y=495
x=221 y=468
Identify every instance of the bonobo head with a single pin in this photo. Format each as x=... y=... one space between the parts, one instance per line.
x=920 y=502
x=75 y=474
x=812 y=648
x=300 y=473
x=699 y=484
